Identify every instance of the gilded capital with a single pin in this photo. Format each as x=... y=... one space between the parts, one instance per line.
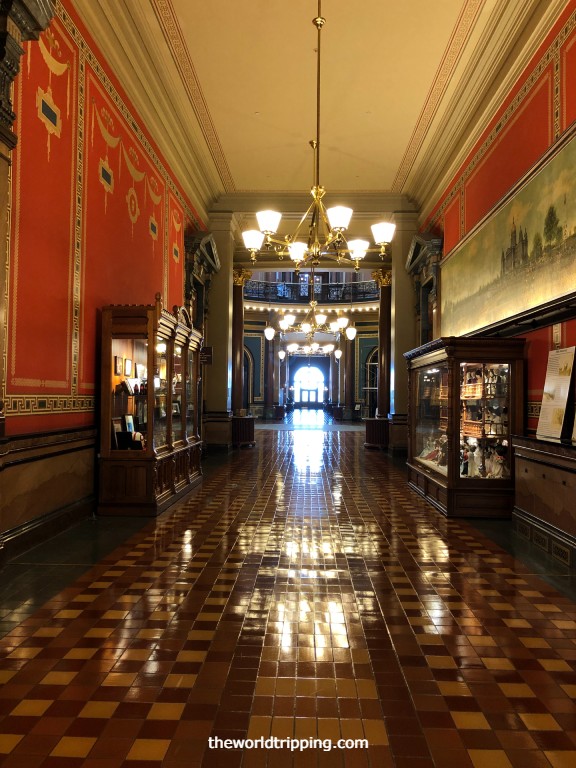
x=382 y=278
x=240 y=276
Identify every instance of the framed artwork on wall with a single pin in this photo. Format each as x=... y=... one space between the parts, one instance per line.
x=521 y=256
x=127 y=367
x=118 y=367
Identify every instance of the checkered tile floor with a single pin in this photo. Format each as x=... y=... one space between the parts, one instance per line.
x=301 y=591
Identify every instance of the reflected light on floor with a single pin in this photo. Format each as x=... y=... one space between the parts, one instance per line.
x=308 y=449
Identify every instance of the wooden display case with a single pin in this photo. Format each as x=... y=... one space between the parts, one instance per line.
x=150 y=449
x=466 y=399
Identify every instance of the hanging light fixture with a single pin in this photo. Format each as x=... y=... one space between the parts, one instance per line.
x=350 y=332
x=325 y=229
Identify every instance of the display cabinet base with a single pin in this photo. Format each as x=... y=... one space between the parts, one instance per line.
x=471 y=499
x=145 y=486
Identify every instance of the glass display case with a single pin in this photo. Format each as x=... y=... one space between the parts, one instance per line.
x=466 y=399
x=150 y=448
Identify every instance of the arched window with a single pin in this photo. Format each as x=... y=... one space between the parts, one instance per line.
x=308 y=385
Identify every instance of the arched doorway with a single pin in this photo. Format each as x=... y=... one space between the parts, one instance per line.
x=309 y=387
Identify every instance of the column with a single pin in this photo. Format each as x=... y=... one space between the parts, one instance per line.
x=384 y=280
x=349 y=379
x=377 y=429
x=240 y=276
x=403 y=329
x=268 y=378
x=20 y=20
x=217 y=385
x=334 y=390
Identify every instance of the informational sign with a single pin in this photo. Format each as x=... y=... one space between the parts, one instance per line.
x=206 y=356
x=556 y=392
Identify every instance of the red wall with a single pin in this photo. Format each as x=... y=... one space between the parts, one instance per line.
x=527 y=124
x=97 y=217
x=525 y=127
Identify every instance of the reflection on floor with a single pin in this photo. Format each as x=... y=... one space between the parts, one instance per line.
x=311 y=418
x=302 y=591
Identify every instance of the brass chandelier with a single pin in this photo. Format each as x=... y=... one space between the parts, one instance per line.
x=321 y=232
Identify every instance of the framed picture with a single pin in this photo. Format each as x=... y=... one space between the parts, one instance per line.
x=127 y=367
x=118 y=368
x=116 y=427
x=176 y=408
x=129 y=422
x=140 y=371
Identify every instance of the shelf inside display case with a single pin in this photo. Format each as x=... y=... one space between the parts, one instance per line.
x=465 y=398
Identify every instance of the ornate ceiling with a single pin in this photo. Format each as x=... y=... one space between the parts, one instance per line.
x=228 y=91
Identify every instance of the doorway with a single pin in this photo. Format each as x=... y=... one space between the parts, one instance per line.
x=309 y=387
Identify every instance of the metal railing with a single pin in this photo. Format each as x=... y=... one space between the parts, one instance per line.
x=326 y=293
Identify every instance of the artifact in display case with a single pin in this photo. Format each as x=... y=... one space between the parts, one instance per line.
x=150 y=447
x=465 y=402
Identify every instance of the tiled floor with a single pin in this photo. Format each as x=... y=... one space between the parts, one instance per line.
x=302 y=591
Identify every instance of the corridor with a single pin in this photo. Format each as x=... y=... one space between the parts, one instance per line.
x=301 y=592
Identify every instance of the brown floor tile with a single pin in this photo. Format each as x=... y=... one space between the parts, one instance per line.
x=296 y=615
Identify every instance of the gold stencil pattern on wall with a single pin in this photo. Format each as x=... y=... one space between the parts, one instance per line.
x=49 y=112
x=177 y=224
x=103 y=119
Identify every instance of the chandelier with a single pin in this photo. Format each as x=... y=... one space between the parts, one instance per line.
x=319 y=332
x=321 y=232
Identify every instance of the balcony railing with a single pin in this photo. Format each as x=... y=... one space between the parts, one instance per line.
x=326 y=293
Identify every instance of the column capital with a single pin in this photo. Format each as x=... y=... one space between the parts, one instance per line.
x=240 y=276
x=382 y=278
x=20 y=20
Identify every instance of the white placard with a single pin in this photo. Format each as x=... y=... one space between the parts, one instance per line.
x=555 y=395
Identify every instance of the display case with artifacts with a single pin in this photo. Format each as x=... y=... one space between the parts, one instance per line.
x=150 y=448
x=465 y=402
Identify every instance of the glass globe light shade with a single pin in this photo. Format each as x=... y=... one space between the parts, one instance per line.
x=269 y=332
x=290 y=318
x=297 y=251
x=338 y=354
x=350 y=332
x=321 y=318
x=358 y=249
x=339 y=217
x=282 y=354
x=268 y=221
x=253 y=239
x=343 y=322
x=383 y=232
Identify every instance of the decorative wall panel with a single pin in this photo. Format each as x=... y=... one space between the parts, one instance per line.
x=96 y=218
